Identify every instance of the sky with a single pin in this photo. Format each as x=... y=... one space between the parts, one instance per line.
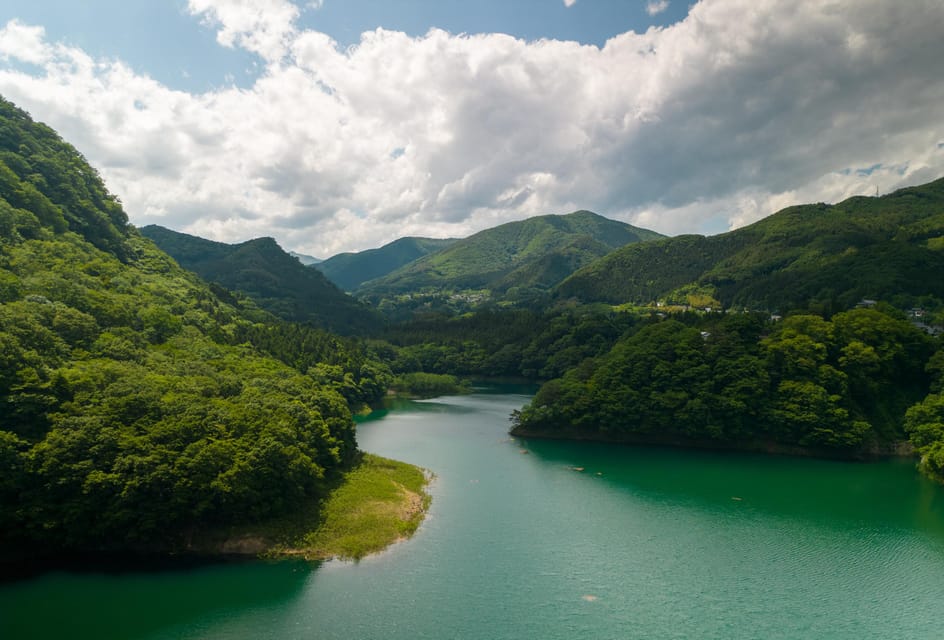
x=341 y=125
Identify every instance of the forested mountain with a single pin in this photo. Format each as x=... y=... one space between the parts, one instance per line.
x=852 y=369
x=512 y=260
x=136 y=406
x=351 y=270
x=811 y=256
x=835 y=377
x=276 y=281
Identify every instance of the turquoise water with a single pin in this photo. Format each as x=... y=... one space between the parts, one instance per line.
x=642 y=543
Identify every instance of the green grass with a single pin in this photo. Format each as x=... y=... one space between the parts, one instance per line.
x=380 y=502
x=428 y=385
x=377 y=503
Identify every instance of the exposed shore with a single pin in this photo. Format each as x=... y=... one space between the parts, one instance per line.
x=378 y=503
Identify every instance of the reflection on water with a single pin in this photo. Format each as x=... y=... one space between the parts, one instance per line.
x=887 y=493
x=485 y=393
x=136 y=604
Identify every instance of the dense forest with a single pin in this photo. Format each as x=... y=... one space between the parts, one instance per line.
x=821 y=257
x=139 y=406
x=495 y=342
x=855 y=384
x=838 y=385
x=515 y=262
x=351 y=270
x=275 y=280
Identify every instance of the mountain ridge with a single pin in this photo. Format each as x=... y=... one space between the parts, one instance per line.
x=836 y=254
x=304 y=258
x=275 y=280
x=352 y=269
x=486 y=260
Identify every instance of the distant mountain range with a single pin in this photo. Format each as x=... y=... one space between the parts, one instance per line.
x=827 y=257
x=277 y=282
x=350 y=270
x=304 y=258
x=511 y=260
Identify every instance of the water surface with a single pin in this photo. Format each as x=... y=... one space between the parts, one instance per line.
x=538 y=539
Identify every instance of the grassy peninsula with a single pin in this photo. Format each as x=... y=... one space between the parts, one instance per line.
x=376 y=503
x=379 y=502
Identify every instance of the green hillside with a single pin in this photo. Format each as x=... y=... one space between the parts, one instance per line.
x=532 y=254
x=276 y=281
x=838 y=386
x=351 y=270
x=828 y=379
x=828 y=256
x=138 y=408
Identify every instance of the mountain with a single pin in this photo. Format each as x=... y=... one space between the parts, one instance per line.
x=304 y=258
x=529 y=255
x=351 y=270
x=276 y=281
x=138 y=407
x=828 y=256
x=845 y=371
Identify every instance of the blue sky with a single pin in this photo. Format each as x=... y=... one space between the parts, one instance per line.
x=341 y=125
x=162 y=39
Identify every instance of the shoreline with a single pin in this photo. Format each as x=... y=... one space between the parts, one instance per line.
x=378 y=503
x=900 y=450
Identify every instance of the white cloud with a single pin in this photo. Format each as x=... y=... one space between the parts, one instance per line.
x=569 y=3
x=265 y=27
x=22 y=42
x=742 y=108
x=655 y=7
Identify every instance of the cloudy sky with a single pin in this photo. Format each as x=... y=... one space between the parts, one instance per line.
x=338 y=125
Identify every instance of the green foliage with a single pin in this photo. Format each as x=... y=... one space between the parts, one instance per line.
x=813 y=256
x=272 y=278
x=132 y=413
x=137 y=406
x=350 y=270
x=840 y=384
x=925 y=423
x=935 y=368
x=343 y=364
x=43 y=175
x=531 y=255
x=379 y=502
x=510 y=342
x=147 y=451
x=428 y=385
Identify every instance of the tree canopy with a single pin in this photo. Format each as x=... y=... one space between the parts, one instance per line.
x=138 y=403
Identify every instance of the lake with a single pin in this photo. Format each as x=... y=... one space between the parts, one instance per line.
x=540 y=539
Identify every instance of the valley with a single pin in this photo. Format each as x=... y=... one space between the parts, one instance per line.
x=167 y=393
